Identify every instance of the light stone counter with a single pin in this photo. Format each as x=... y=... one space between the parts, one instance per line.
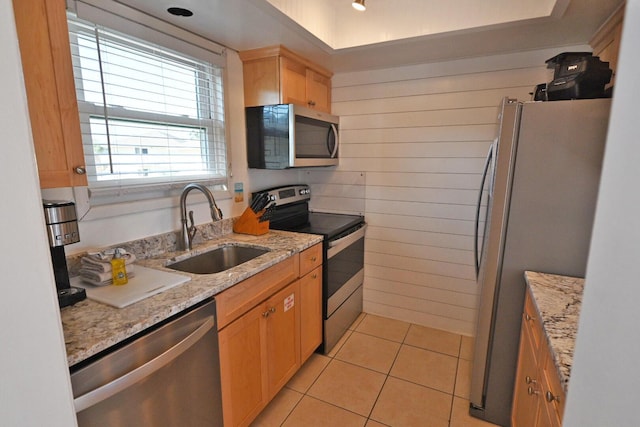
x=558 y=300
x=91 y=327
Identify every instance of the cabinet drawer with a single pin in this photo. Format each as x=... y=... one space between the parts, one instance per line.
x=526 y=391
x=553 y=392
x=310 y=259
x=531 y=319
x=240 y=298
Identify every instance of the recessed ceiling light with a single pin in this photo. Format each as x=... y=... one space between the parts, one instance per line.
x=359 y=5
x=179 y=11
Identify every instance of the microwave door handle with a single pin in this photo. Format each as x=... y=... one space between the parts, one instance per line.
x=335 y=146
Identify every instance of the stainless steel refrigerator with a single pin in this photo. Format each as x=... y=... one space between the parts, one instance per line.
x=539 y=187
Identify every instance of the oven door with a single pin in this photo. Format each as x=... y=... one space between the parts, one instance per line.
x=344 y=278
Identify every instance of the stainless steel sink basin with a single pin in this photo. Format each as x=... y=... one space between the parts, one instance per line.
x=217 y=260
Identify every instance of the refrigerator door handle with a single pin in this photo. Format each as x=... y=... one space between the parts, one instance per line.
x=478 y=253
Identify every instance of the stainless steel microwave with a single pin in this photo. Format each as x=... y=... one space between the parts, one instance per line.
x=289 y=136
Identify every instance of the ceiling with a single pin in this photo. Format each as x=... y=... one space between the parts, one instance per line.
x=340 y=26
x=389 y=32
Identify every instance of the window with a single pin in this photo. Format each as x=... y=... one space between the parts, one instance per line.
x=151 y=118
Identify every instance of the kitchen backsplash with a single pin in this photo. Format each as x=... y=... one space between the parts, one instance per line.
x=152 y=246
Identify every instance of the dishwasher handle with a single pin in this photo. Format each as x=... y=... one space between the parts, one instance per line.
x=105 y=391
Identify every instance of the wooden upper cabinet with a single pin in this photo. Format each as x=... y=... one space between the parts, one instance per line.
x=276 y=75
x=48 y=75
x=293 y=76
x=606 y=42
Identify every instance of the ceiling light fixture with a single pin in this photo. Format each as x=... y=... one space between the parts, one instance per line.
x=358 y=5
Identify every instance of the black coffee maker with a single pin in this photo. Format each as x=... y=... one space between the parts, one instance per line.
x=62 y=229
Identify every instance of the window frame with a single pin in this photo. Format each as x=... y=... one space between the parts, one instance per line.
x=144 y=189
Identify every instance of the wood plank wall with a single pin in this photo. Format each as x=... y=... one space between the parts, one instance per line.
x=413 y=143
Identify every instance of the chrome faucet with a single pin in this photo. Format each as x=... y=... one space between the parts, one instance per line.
x=189 y=232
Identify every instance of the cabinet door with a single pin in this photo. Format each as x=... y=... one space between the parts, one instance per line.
x=293 y=82
x=553 y=394
x=48 y=75
x=310 y=313
x=243 y=368
x=282 y=317
x=261 y=82
x=318 y=91
x=546 y=417
x=526 y=396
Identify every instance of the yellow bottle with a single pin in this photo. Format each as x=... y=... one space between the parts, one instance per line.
x=118 y=269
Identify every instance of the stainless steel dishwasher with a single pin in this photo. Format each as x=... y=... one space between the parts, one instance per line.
x=169 y=376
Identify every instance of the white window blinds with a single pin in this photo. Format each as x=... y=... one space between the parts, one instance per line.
x=150 y=116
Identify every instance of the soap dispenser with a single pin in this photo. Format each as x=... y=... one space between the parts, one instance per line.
x=118 y=268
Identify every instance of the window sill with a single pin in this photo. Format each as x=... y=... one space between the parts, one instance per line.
x=88 y=212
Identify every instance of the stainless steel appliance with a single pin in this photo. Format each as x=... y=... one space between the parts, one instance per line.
x=62 y=229
x=343 y=255
x=540 y=185
x=169 y=376
x=287 y=136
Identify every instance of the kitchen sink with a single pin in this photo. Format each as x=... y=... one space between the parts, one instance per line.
x=217 y=260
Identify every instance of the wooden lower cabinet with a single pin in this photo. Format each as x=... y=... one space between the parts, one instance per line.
x=259 y=353
x=266 y=330
x=243 y=368
x=538 y=399
x=282 y=319
x=310 y=313
x=526 y=393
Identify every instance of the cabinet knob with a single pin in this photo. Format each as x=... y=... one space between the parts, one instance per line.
x=312 y=103
x=314 y=276
x=531 y=391
x=80 y=170
x=313 y=259
x=528 y=318
x=269 y=311
x=550 y=397
x=529 y=380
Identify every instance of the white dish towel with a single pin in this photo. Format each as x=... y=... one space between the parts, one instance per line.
x=96 y=266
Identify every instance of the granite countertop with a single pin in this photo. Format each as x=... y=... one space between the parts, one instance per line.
x=558 y=300
x=91 y=327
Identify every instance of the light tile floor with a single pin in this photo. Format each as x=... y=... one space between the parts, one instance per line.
x=383 y=372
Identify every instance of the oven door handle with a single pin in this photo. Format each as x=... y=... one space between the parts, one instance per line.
x=337 y=246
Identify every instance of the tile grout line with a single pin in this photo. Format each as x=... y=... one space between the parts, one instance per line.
x=318 y=376
x=455 y=382
x=386 y=378
x=352 y=329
